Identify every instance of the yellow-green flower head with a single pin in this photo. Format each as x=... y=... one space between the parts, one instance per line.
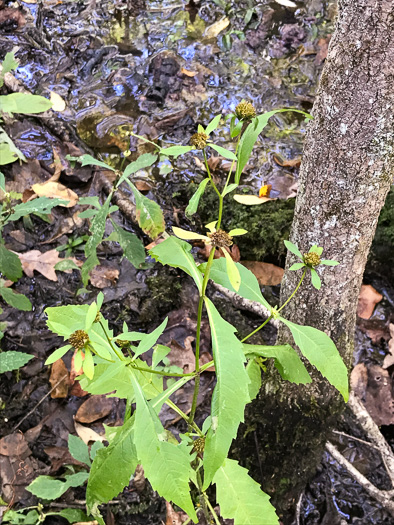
x=245 y=111
x=199 y=445
x=79 y=339
x=312 y=259
x=122 y=343
x=199 y=140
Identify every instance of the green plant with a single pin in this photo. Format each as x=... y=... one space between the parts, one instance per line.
x=47 y=488
x=74 y=243
x=23 y=103
x=112 y=365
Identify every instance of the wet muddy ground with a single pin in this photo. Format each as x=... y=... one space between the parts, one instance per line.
x=160 y=68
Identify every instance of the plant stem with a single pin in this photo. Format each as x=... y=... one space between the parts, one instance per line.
x=215 y=517
x=295 y=291
x=203 y=497
x=176 y=409
x=232 y=166
x=217 y=191
x=118 y=354
x=198 y=335
x=257 y=329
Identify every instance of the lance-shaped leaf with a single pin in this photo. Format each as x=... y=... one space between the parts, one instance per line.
x=24 y=103
x=88 y=160
x=289 y=365
x=232 y=271
x=176 y=253
x=41 y=205
x=13 y=360
x=149 y=215
x=212 y=125
x=166 y=465
x=194 y=201
x=230 y=395
x=249 y=287
x=241 y=498
x=227 y=154
x=17 y=300
x=250 y=136
x=112 y=467
x=97 y=229
x=150 y=339
x=322 y=353
x=175 y=151
x=131 y=245
x=144 y=161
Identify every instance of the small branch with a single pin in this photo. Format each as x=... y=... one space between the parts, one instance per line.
x=385 y=498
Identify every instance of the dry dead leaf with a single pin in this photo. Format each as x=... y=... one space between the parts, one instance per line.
x=139 y=479
x=87 y=434
x=94 y=408
x=58 y=104
x=367 y=301
x=288 y=163
x=213 y=30
x=183 y=356
x=142 y=185
x=66 y=225
x=103 y=276
x=189 y=73
x=267 y=274
x=55 y=190
x=41 y=262
x=14 y=445
x=172 y=517
x=322 y=45
x=59 y=379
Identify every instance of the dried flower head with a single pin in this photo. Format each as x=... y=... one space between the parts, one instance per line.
x=199 y=140
x=245 y=111
x=199 y=445
x=97 y=319
x=312 y=259
x=220 y=238
x=79 y=339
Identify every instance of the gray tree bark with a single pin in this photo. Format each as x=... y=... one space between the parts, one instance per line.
x=347 y=169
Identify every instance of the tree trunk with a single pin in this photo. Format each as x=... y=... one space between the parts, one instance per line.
x=346 y=172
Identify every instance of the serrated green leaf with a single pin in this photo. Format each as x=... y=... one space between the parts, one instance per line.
x=40 y=205
x=250 y=137
x=149 y=215
x=9 y=63
x=249 y=288
x=175 y=151
x=24 y=103
x=131 y=245
x=144 y=161
x=287 y=361
x=58 y=354
x=176 y=253
x=79 y=450
x=112 y=467
x=97 y=445
x=315 y=279
x=45 y=487
x=322 y=353
x=97 y=230
x=227 y=154
x=150 y=339
x=73 y=515
x=254 y=372
x=293 y=249
x=17 y=300
x=12 y=360
x=166 y=465
x=228 y=402
x=194 y=201
x=90 y=201
x=88 y=160
x=213 y=125
x=240 y=497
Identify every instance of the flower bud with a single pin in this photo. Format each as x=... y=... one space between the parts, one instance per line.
x=312 y=259
x=199 y=140
x=79 y=339
x=245 y=111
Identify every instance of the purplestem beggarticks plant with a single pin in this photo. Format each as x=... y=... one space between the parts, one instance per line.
x=181 y=469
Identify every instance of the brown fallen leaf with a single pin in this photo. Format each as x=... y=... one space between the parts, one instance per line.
x=288 y=163
x=14 y=445
x=189 y=73
x=13 y=18
x=41 y=262
x=103 y=276
x=87 y=434
x=267 y=274
x=213 y=30
x=59 y=379
x=367 y=301
x=141 y=185
x=183 y=356
x=172 y=517
x=55 y=190
x=94 y=408
x=66 y=225
x=139 y=480
x=322 y=46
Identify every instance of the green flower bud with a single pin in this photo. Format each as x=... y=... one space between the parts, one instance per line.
x=312 y=259
x=245 y=111
x=79 y=339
